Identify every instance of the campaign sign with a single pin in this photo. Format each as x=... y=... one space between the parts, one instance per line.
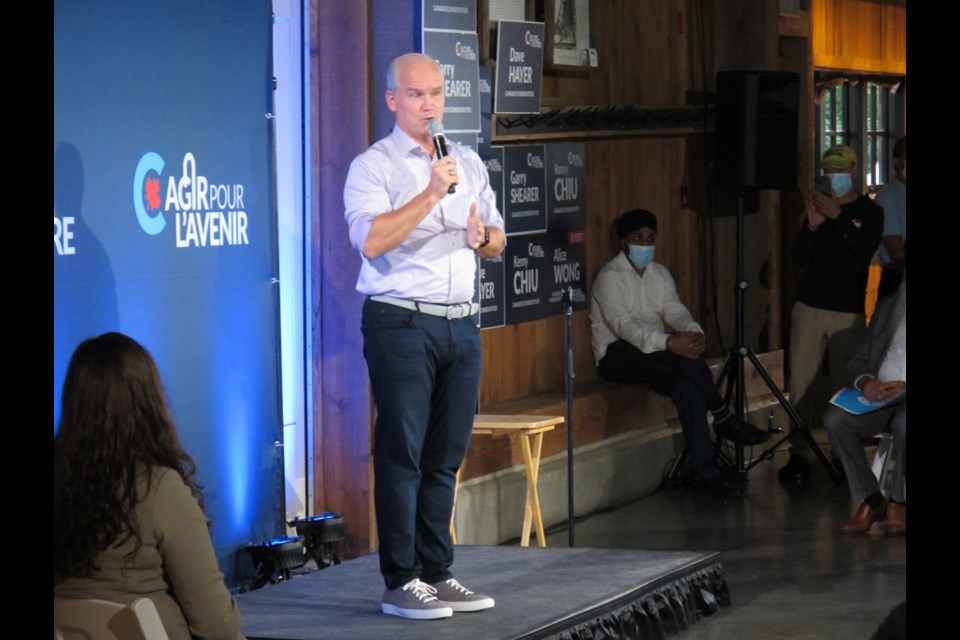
x=492 y=295
x=566 y=180
x=568 y=268
x=494 y=164
x=465 y=138
x=524 y=193
x=486 y=112
x=456 y=53
x=526 y=272
x=519 y=66
x=450 y=15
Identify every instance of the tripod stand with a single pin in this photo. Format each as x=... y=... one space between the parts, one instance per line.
x=733 y=373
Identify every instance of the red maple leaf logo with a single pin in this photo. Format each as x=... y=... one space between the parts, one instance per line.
x=152 y=195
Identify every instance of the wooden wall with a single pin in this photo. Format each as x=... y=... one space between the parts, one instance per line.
x=658 y=54
x=643 y=53
x=651 y=53
x=523 y=359
x=351 y=45
x=860 y=35
x=341 y=402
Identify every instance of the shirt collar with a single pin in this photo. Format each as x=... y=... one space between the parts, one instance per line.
x=405 y=143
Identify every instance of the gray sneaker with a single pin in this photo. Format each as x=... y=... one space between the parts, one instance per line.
x=416 y=600
x=452 y=594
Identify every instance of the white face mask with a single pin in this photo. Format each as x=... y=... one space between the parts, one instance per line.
x=840 y=182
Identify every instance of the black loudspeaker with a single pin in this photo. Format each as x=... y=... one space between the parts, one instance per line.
x=756 y=126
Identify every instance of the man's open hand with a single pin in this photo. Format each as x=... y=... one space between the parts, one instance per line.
x=475 y=228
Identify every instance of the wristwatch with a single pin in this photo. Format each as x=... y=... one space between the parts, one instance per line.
x=486 y=238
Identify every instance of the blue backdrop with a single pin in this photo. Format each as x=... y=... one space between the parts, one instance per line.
x=164 y=229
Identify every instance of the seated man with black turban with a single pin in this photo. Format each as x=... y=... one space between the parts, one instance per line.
x=632 y=298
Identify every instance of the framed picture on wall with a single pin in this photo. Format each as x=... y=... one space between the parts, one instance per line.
x=569 y=42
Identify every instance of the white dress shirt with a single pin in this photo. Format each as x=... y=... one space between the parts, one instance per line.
x=435 y=263
x=894 y=365
x=627 y=306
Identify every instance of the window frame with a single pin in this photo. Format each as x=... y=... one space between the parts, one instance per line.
x=850 y=95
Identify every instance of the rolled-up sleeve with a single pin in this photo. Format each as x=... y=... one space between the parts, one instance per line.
x=487 y=200
x=364 y=197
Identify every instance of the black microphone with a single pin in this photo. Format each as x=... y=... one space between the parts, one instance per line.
x=440 y=145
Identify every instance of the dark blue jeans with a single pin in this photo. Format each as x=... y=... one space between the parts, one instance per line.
x=425 y=374
x=689 y=384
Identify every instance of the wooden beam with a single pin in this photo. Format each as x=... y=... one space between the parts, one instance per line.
x=341 y=414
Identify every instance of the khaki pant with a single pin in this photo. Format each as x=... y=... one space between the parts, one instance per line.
x=813 y=333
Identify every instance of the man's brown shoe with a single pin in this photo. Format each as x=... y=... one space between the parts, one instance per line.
x=896 y=519
x=864 y=518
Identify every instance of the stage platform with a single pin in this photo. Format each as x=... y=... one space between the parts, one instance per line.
x=568 y=594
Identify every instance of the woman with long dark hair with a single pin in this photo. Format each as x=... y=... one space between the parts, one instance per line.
x=128 y=516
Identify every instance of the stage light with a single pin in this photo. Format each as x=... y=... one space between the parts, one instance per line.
x=322 y=533
x=275 y=557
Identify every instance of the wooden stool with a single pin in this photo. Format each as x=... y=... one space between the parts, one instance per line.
x=529 y=430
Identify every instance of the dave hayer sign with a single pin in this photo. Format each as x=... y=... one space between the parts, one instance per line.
x=519 y=67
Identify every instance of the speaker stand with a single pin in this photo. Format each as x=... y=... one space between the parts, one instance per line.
x=733 y=373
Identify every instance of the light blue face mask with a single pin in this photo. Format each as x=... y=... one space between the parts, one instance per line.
x=640 y=256
x=840 y=182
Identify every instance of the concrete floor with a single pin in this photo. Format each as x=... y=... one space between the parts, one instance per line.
x=791 y=574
